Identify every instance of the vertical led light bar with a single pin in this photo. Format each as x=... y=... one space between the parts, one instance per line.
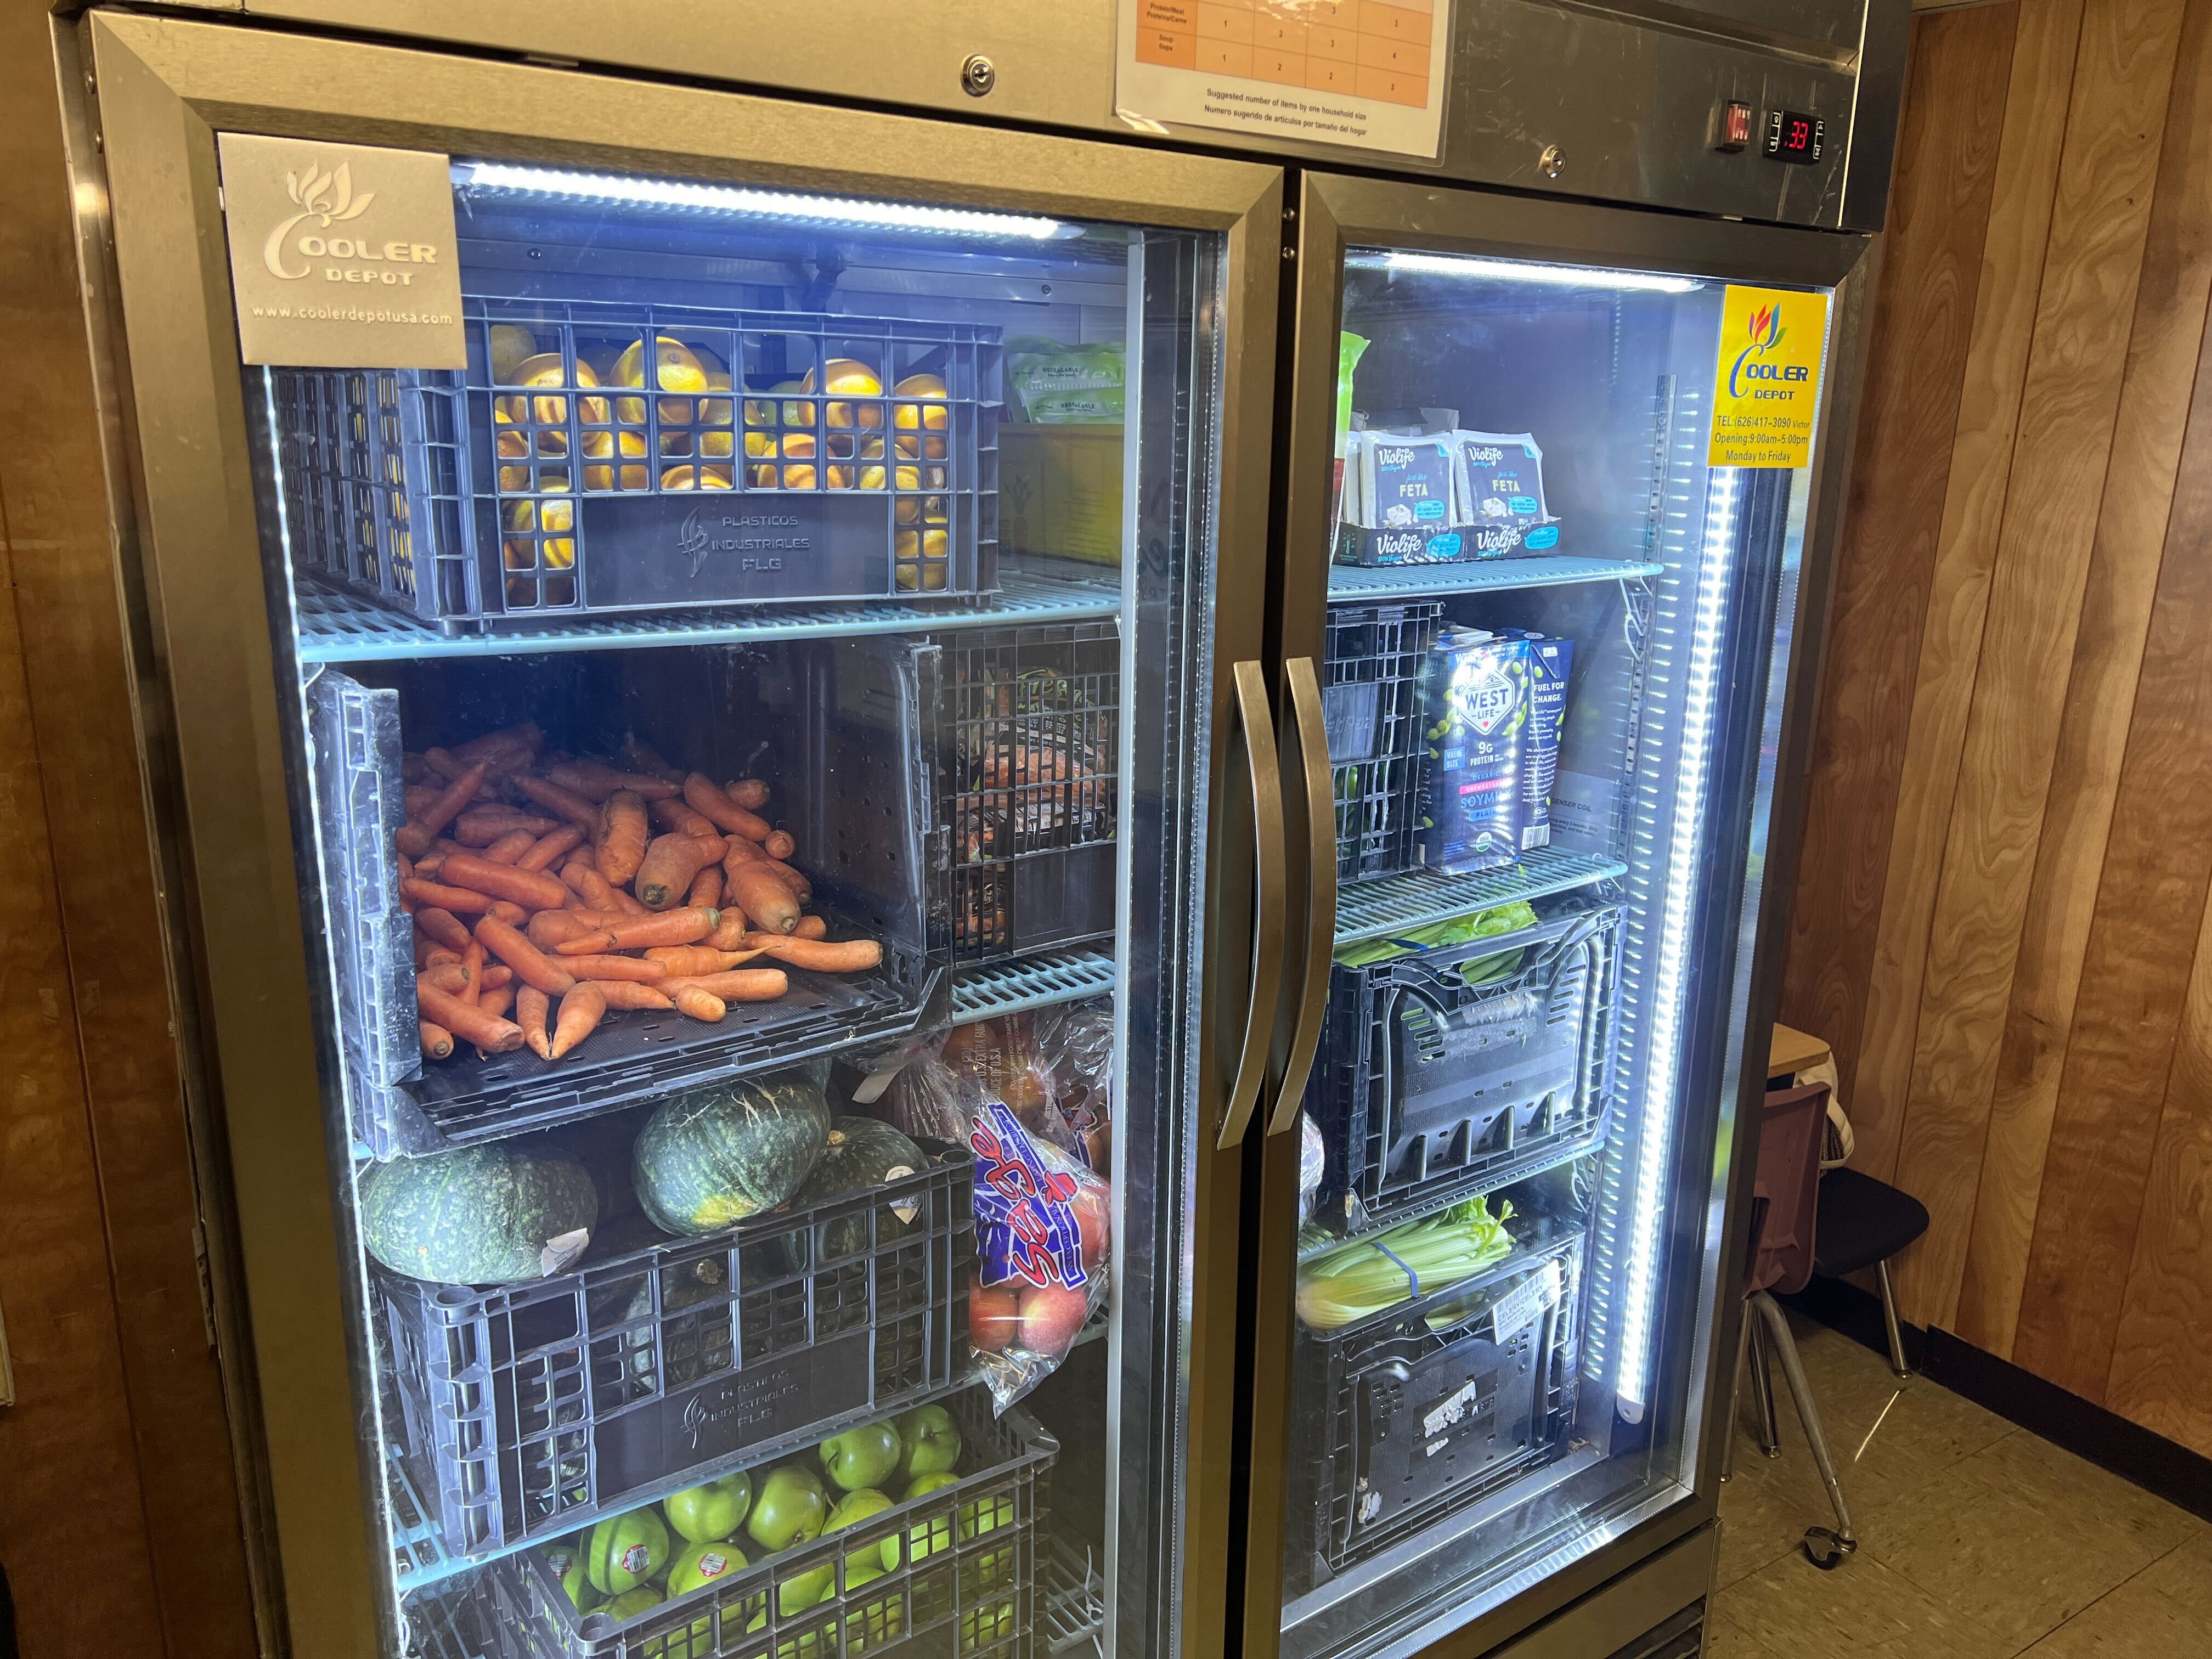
x=1669 y=979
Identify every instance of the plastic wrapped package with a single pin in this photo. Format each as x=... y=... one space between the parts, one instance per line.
x=1075 y=1058
x=1044 y=1252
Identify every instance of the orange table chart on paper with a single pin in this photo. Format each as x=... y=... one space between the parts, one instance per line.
x=1372 y=49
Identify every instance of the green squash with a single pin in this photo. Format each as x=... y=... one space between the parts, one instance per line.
x=862 y=1153
x=479 y=1215
x=714 y=1157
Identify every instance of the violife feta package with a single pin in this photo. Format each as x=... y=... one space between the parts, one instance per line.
x=1551 y=662
x=1498 y=481
x=1475 y=710
x=1401 y=491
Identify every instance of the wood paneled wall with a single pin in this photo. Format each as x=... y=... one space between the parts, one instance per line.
x=2001 y=922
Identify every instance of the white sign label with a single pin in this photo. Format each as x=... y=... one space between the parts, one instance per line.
x=342 y=256
x=1364 y=74
x=1532 y=1296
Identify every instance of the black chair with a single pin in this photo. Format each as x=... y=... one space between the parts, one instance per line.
x=1864 y=1222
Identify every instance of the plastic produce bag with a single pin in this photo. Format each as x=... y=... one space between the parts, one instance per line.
x=1043 y=1250
x=1060 y=385
x=1075 y=1062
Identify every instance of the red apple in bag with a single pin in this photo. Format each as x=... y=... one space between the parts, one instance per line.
x=994 y=1315
x=1051 y=1315
x=1093 y=1206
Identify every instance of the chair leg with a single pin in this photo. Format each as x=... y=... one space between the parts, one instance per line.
x=1825 y=1547
x=1889 y=1320
x=1736 y=1397
x=1762 y=1383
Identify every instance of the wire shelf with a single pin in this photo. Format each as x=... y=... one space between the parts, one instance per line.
x=418 y=1553
x=1376 y=909
x=1414 y=581
x=1033 y=981
x=1075 y=1598
x=336 y=626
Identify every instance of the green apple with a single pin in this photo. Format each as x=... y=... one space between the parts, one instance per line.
x=626 y=1550
x=788 y=1508
x=863 y=1457
x=984 y=1516
x=632 y=1602
x=801 y=1591
x=855 y=1507
x=704 y=1513
x=931 y=1440
x=565 y=1557
x=704 y=1562
x=870 y=1623
x=926 y=1537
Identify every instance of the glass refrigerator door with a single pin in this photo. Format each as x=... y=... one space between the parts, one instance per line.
x=749 y=801
x=1542 y=683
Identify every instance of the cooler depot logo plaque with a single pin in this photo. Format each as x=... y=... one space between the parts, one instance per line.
x=342 y=256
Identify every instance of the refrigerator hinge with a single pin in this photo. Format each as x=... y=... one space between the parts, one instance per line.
x=207 y=1284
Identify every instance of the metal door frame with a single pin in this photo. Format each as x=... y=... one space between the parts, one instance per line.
x=1335 y=212
x=157 y=91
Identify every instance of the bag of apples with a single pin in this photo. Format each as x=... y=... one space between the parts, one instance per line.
x=1044 y=1246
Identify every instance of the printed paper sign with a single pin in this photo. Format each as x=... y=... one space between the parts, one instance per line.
x=1766 y=389
x=1366 y=74
x=342 y=256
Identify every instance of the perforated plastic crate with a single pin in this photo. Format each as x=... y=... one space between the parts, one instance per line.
x=1371 y=705
x=965 y=1586
x=1427 y=1407
x=853 y=780
x=1027 y=792
x=531 y=1409
x=1430 y=1085
x=598 y=458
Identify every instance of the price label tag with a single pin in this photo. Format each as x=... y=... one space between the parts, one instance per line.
x=1531 y=1297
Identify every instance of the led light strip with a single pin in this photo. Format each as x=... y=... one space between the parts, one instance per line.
x=1668 y=988
x=762 y=203
x=1515 y=270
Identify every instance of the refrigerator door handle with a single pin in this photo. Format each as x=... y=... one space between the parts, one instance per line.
x=1311 y=726
x=1258 y=726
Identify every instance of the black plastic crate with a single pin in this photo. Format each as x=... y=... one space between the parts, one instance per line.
x=859 y=757
x=1430 y=1406
x=1428 y=1088
x=557 y=477
x=531 y=1409
x=1371 y=705
x=1030 y=750
x=973 y=1595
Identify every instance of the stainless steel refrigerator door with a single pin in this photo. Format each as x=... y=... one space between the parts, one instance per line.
x=157 y=92
x=1527 y=1557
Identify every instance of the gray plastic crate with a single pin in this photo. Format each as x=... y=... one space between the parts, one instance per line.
x=548 y=487
x=973 y=1594
x=531 y=1409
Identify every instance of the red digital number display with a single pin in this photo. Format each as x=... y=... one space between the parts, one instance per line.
x=1794 y=137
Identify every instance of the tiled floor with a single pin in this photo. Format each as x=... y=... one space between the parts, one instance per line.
x=1976 y=1539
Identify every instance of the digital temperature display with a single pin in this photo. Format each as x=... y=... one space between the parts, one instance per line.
x=1794 y=135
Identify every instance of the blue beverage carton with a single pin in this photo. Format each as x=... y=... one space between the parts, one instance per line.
x=1476 y=707
x=1498 y=484
x=1551 y=661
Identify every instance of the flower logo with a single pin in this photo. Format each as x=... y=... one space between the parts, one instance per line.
x=327 y=197
x=1765 y=331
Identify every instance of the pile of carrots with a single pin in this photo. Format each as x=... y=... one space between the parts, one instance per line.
x=549 y=888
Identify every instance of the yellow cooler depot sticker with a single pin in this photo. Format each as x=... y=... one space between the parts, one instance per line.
x=1767 y=387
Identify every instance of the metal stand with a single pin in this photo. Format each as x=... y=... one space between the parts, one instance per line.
x=1736 y=1397
x=1770 y=1438
x=1889 y=1320
x=1825 y=1547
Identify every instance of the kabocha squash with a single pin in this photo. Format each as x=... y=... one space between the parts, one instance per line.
x=479 y=1215
x=714 y=1157
x=862 y=1153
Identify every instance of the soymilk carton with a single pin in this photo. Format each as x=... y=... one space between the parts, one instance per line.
x=1551 y=661
x=1475 y=713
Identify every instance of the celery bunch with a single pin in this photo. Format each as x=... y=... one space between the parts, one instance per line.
x=1360 y=1280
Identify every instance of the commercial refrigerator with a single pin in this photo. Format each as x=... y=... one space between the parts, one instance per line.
x=1175 y=677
